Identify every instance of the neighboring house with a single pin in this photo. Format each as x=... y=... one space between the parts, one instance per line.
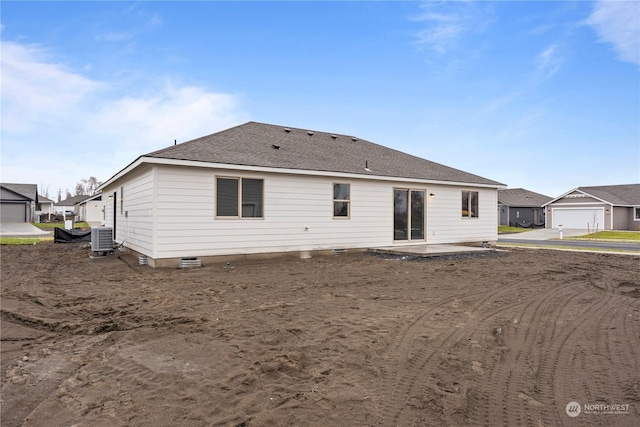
x=46 y=211
x=68 y=206
x=264 y=189
x=608 y=207
x=18 y=202
x=520 y=207
x=90 y=210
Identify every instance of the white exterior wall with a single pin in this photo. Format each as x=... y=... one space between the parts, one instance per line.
x=46 y=212
x=171 y=214
x=90 y=211
x=298 y=214
x=186 y=223
x=444 y=220
x=134 y=224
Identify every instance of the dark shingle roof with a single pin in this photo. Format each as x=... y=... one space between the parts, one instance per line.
x=623 y=195
x=29 y=191
x=521 y=198
x=70 y=201
x=265 y=145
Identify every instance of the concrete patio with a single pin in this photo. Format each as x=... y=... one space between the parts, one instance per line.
x=429 y=250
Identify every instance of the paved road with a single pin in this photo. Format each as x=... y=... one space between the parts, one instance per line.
x=576 y=244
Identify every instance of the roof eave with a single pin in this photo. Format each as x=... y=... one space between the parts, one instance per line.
x=210 y=165
x=131 y=166
x=583 y=192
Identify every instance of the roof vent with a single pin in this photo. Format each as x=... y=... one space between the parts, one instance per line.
x=334 y=136
x=353 y=138
x=287 y=130
x=309 y=133
x=275 y=146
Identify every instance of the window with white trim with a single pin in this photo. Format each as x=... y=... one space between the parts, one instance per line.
x=470 y=204
x=341 y=200
x=239 y=197
x=636 y=214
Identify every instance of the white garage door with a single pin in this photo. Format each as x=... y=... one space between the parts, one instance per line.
x=578 y=218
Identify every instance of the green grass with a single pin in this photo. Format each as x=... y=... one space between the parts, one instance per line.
x=48 y=226
x=623 y=236
x=505 y=229
x=24 y=240
x=566 y=248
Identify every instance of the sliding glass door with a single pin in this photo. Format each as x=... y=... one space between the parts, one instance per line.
x=408 y=214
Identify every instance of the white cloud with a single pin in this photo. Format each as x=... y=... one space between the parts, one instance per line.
x=618 y=23
x=496 y=105
x=446 y=23
x=114 y=36
x=59 y=126
x=35 y=92
x=148 y=123
x=548 y=61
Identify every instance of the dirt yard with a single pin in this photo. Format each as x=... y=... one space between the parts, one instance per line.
x=353 y=340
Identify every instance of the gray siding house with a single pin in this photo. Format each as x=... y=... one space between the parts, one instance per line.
x=518 y=207
x=18 y=202
x=607 y=207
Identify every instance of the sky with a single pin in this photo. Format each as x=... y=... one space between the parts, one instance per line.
x=542 y=95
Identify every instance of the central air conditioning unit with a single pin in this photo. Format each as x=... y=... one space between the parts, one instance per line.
x=102 y=239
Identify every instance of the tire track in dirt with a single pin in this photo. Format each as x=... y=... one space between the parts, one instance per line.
x=505 y=392
x=513 y=381
x=111 y=388
x=555 y=359
x=596 y=346
x=483 y=324
x=512 y=366
x=410 y=372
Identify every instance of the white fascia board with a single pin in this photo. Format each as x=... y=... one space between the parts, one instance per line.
x=209 y=165
x=561 y=196
x=137 y=162
x=579 y=191
x=597 y=198
x=90 y=199
x=577 y=204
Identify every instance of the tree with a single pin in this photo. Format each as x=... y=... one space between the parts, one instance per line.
x=87 y=187
x=43 y=190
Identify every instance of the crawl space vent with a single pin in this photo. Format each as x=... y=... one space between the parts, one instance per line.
x=190 y=262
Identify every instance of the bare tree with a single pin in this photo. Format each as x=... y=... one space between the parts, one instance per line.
x=87 y=187
x=44 y=190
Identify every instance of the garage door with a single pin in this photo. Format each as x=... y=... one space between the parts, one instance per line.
x=13 y=212
x=578 y=218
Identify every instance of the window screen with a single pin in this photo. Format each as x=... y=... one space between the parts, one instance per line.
x=227 y=197
x=252 y=198
x=341 y=200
